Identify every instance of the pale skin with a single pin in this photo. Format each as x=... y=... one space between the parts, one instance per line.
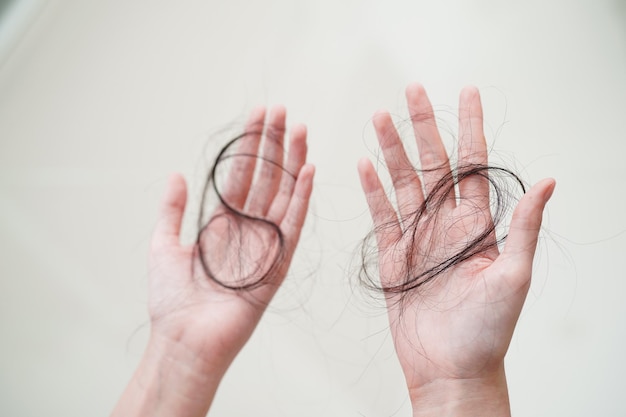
x=452 y=333
x=198 y=326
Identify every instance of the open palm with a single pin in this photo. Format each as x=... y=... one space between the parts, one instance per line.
x=452 y=311
x=209 y=296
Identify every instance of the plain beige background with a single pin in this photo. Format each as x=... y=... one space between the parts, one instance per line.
x=101 y=100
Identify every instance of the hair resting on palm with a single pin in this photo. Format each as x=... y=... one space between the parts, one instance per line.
x=241 y=244
x=453 y=298
x=246 y=242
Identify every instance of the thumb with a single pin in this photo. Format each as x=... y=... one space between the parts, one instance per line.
x=521 y=242
x=167 y=231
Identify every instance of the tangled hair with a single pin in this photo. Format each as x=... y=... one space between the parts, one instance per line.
x=422 y=255
x=237 y=250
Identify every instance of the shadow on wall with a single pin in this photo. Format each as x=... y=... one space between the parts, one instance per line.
x=15 y=18
x=5 y=5
x=619 y=8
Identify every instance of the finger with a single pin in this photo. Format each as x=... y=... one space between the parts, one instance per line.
x=519 y=250
x=167 y=231
x=295 y=160
x=295 y=214
x=244 y=161
x=406 y=182
x=433 y=156
x=472 y=148
x=386 y=224
x=267 y=182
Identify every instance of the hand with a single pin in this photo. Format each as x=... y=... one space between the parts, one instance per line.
x=452 y=331
x=197 y=310
x=198 y=325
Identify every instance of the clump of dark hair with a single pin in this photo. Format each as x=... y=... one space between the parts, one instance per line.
x=253 y=265
x=422 y=260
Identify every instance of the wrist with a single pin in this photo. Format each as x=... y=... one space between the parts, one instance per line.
x=171 y=380
x=484 y=396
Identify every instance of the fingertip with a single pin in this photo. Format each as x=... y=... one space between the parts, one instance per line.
x=172 y=210
x=307 y=170
x=550 y=186
x=176 y=189
x=296 y=211
x=278 y=111
x=418 y=102
x=380 y=113
x=469 y=92
x=526 y=221
x=415 y=89
x=542 y=190
x=381 y=119
x=274 y=128
x=367 y=175
x=304 y=185
x=305 y=176
x=258 y=112
x=174 y=201
x=470 y=104
x=298 y=131
x=177 y=177
x=256 y=118
x=276 y=125
x=364 y=164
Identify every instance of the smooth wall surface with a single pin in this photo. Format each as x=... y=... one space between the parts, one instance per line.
x=100 y=101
